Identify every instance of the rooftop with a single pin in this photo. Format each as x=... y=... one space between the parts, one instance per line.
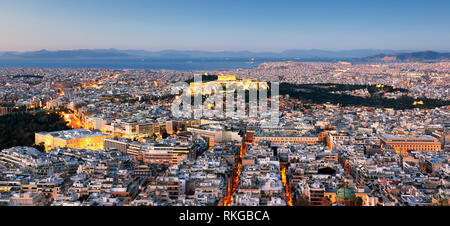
x=74 y=133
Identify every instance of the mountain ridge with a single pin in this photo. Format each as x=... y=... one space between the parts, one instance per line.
x=352 y=55
x=427 y=55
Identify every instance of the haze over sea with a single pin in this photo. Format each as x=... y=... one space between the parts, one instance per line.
x=186 y=64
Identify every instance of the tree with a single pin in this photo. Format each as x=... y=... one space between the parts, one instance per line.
x=165 y=135
x=18 y=128
x=40 y=147
x=358 y=201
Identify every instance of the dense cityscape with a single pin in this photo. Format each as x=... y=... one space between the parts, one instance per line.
x=108 y=137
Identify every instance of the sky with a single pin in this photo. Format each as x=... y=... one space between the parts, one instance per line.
x=213 y=25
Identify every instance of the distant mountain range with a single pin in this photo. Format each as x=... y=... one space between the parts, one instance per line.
x=353 y=55
x=405 y=57
x=80 y=53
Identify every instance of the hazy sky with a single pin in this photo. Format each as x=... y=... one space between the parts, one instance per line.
x=255 y=25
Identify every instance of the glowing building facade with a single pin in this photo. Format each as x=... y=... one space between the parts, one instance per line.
x=402 y=144
x=75 y=138
x=283 y=137
x=229 y=83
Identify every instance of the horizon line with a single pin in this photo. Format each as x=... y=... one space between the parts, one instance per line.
x=218 y=51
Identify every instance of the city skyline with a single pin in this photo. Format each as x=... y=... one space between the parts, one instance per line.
x=224 y=26
x=190 y=106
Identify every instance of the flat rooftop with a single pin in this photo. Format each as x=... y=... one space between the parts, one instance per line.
x=284 y=134
x=408 y=137
x=74 y=133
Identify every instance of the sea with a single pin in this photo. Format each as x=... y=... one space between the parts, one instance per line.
x=185 y=64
